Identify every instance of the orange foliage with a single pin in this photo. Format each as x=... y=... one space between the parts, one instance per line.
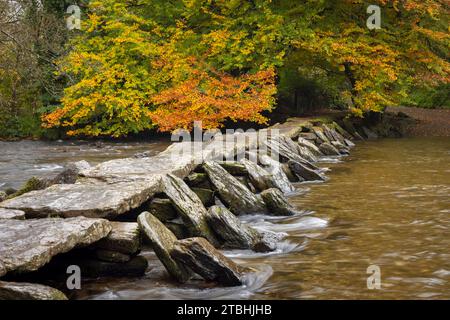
x=212 y=97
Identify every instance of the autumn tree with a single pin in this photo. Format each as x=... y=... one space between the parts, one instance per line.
x=152 y=63
x=135 y=68
x=378 y=67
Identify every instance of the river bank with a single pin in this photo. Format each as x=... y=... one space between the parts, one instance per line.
x=428 y=122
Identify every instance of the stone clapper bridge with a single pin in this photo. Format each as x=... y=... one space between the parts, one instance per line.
x=187 y=208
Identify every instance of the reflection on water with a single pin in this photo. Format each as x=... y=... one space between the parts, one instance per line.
x=387 y=204
x=19 y=161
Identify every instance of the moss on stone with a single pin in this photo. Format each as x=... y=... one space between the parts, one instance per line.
x=31 y=185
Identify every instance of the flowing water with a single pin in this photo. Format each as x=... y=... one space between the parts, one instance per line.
x=386 y=205
x=19 y=161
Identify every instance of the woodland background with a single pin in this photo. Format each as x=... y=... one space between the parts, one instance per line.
x=141 y=65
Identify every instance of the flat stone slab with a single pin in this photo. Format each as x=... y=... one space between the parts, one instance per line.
x=28 y=245
x=12 y=214
x=94 y=200
x=174 y=160
x=125 y=237
x=28 y=291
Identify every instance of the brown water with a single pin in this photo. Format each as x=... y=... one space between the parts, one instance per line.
x=388 y=204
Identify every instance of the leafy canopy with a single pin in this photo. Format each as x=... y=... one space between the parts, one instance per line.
x=145 y=63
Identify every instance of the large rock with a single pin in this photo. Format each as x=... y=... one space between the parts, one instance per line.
x=178 y=229
x=163 y=241
x=198 y=180
x=299 y=129
x=233 y=193
x=320 y=135
x=311 y=136
x=279 y=177
x=12 y=214
x=268 y=241
x=341 y=131
x=200 y=256
x=349 y=143
x=205 y=195
x=163 y=209
x=28 y=291
x=125 y=237
x=292 y=151
x=307 y=154
x=334 y=133
x=328 y=149
x=331 y=134
x=233 y=232
x=175 y=160
x=311 y=146
x=285 y=149
x=291 y=176
x=303 y=172
x=70 y=173
x=277 y=203
x=234 y=168
x=28 y=245
x=246 y=182
x=189 y=206
x=91 y=198
x=348 y=125
x=341 y=147
x=258 y=176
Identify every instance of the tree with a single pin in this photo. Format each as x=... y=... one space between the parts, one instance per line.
x=130 y=58
x=31 y=37
x=381 y=67
x=140 y=64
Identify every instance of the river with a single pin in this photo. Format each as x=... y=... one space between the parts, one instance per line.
x=386 y=205
x=19 y=161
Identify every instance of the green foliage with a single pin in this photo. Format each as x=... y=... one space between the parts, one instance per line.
x=429 y=97
x=214 y=59
x=155 y=63
x=369 y=70
x=31 y=39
